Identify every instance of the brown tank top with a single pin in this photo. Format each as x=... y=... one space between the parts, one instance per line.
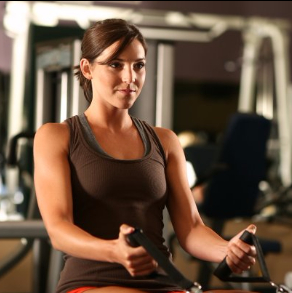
x=108 y=192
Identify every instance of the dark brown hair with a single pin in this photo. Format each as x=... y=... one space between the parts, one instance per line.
x=100 y=36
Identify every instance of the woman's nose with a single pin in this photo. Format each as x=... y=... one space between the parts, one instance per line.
x=129 y=75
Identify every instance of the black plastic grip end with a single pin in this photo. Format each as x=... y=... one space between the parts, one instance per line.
x=131 y=239
x=247 y=237
x=223 y=271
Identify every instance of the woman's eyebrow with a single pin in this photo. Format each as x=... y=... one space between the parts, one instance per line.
x=138 y=59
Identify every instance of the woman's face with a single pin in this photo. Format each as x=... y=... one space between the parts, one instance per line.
x=119 y=82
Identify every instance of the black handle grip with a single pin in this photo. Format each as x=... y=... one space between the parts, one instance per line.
x=138 y=238
x=131 y=238
x=223 y=271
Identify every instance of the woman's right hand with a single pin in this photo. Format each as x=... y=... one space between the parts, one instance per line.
x=136 y=260
x=240 y=255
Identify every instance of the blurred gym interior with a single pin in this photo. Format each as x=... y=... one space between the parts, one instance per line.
x=208 y=61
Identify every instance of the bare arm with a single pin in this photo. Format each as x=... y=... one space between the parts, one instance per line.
x=54 y=196
x=193 y=235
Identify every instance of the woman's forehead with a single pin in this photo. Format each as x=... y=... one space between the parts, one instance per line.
x=134 y=48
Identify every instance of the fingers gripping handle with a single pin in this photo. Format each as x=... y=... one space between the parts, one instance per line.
x=223 y=271
x=138 y=238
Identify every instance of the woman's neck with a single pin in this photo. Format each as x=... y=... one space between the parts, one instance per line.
x=115 y=121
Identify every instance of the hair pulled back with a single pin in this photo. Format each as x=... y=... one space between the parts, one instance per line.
x=100 y=36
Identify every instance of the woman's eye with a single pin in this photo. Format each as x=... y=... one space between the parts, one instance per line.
x=115 y=65
x=140 y=65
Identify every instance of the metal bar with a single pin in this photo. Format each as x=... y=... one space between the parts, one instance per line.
x=23 y=229
x=164 y=94
x=247 y=82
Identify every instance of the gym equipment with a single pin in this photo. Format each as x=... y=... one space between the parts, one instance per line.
x=31 y=233
x=232 y=179
x=223 y=272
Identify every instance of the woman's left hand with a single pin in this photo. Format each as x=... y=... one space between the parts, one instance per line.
x=240 y=255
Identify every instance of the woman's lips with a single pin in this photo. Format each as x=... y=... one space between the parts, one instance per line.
x=127 y=91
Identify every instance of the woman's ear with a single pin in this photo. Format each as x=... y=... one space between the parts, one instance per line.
x=85 y=68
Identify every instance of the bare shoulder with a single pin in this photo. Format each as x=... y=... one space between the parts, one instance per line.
x=165 y=133
x=168 y=138
x=51 y=134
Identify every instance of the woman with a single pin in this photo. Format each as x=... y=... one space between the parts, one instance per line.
x=100 y=174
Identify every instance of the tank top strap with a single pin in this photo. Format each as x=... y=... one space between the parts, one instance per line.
x=149 y=129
